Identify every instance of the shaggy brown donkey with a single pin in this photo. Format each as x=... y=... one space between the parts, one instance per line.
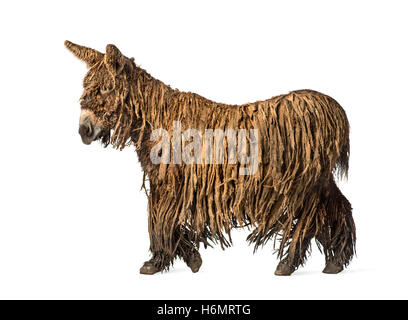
x=302 y=141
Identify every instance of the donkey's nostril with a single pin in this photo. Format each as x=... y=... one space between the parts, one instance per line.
x=90 y=130
x=85 y=130
x=87 y=133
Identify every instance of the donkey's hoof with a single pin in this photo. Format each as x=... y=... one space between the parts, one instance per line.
x=195 y=262
x=332 y=268
x=284 y=269
x=149 y=268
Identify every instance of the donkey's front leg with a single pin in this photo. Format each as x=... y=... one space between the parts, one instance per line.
x=169 y=238
x=159 y=262
x=162 y=245
x=185 y=250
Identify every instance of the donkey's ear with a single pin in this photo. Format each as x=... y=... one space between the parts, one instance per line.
x=90 y=56
x=114 y=59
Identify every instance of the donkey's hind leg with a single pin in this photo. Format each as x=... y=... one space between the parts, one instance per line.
x=303 y=228
x=289 y=264
x=337 y=236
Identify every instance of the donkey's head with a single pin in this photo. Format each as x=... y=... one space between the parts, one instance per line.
x=105 y=105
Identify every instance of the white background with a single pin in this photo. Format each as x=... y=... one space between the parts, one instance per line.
x=73 y=223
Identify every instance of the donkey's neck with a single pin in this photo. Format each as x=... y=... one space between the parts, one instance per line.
x=148 y=85
x=152 y=98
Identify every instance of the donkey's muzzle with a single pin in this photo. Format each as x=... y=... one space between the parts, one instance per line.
x=88 y=131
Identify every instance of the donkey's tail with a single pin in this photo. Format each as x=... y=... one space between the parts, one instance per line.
x=342 y=164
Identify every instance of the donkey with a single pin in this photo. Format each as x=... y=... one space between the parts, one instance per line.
x=299 y=141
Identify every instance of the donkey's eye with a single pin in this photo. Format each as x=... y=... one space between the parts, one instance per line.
x=105 y=91
x=83 y=98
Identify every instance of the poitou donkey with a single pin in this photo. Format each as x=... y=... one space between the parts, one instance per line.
x=301 y=143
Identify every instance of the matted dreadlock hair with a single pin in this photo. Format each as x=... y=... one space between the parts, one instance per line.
x=292 y=197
